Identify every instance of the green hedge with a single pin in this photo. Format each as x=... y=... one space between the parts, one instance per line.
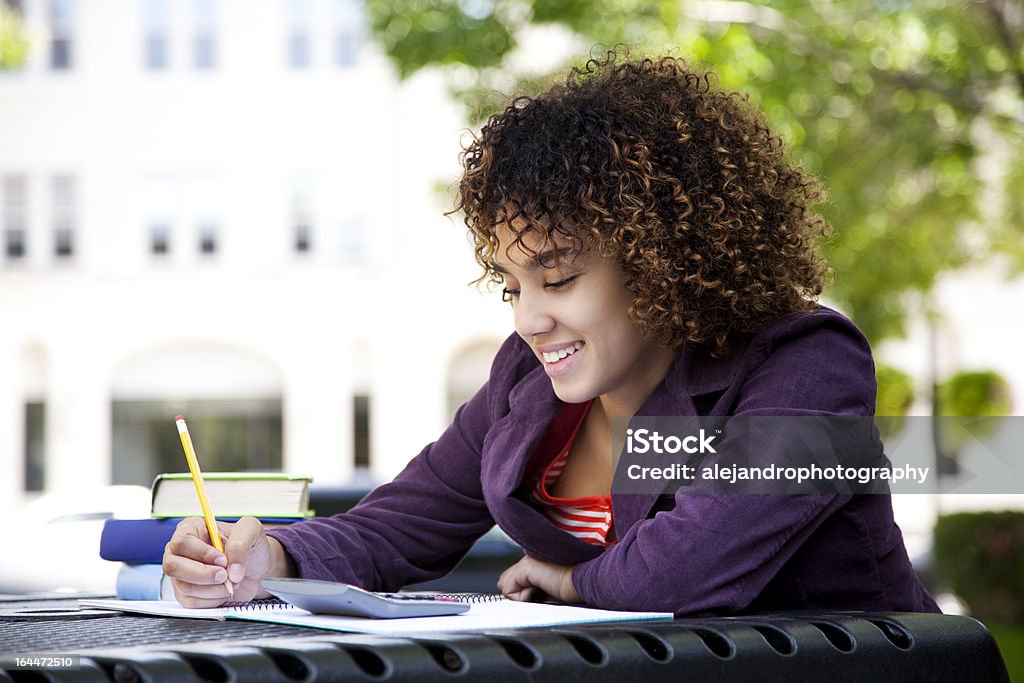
x=980 y=557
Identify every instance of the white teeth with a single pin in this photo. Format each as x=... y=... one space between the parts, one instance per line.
x=555 y=356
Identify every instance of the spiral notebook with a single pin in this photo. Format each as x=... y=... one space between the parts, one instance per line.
x=486 y=613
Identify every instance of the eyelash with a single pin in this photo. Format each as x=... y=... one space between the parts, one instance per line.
x=509 y=294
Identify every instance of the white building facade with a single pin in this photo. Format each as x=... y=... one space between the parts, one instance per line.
x=228 y=210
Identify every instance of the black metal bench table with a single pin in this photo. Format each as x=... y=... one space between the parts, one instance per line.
x=815 y=646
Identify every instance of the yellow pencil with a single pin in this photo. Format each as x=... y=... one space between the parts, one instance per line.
x=204 y=502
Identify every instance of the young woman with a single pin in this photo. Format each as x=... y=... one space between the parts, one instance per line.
x=658 y=251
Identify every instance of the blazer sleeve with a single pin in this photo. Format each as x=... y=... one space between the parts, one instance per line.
x=714 y=554
x=418 y=526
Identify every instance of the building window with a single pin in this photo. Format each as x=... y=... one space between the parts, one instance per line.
x=346 y=49
x=208 y=239
x=201 y=208
x=302 y=237
x=230 y=435
x=35 y=446
x=347 y=37
x=299 y=23
x=14 y=244
x=64 y=243
x=204 y=34
x=156 y=32
x=160 y=199
x=14 y=216
x=361 y=431
x=185 y=206
x=298 y=50
x=352 y=239
x=159 y=239
x=63 y=189
x=302 y=212
x=62 y=30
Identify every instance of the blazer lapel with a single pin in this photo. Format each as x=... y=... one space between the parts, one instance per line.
x=630 y=508
x=693 y=373
x=511 y=440
x=507 y=450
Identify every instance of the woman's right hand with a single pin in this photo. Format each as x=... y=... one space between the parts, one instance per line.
x=198 y=570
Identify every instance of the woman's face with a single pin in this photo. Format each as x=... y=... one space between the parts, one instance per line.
x=573 y=316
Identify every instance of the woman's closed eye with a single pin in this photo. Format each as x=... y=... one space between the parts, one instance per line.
x=560 y=283
x=512 y=293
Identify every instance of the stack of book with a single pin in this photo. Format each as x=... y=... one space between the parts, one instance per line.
x=138 y=544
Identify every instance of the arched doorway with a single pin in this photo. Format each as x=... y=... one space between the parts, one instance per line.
x=467 y=372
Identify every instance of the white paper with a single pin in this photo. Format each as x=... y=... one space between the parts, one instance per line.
x=500 y=614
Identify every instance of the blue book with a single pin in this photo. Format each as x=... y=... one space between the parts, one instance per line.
x=143 y=582
x=142 y=541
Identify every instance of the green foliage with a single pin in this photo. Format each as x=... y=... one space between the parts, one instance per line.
x=980 y=556
x=895 y=395
x=1010 y=640
x=13 y=44
x=424 y=32
x=974 y=394
x=895 y=391
x=895 y=105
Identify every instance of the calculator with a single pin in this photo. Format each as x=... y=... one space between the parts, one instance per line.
x=328 y=597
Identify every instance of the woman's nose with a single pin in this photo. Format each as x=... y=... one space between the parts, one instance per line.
x=532 y=315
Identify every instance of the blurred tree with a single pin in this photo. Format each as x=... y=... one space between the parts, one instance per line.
x=893 y=400
x=980 y=557
x=979 y=393
x=13 y=44
x=972 y=404
x=911 y=112
x=895 y=391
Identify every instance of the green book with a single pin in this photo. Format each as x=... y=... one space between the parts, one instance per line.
x=233 y=494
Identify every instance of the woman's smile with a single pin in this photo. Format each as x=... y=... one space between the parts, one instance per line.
x=561 y=359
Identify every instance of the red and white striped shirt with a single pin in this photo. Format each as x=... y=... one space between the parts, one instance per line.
x=588 y=518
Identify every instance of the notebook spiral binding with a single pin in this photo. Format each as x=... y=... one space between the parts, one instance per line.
x=472 y=597
x=259 y=604
x=277 y=603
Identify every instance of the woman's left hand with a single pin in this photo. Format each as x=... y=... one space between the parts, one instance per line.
x=521 y=580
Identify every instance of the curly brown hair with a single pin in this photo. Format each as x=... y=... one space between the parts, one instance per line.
x=686 y=185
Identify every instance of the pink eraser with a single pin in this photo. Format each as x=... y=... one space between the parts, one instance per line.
x=178 y=417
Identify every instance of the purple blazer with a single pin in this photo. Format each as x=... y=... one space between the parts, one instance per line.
x=688 y=553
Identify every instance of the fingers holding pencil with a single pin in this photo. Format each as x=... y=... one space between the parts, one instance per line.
x=198 y=570
x=250 y=556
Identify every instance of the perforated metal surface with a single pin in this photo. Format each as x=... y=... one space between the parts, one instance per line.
x=811 y=646
x=66 y=635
